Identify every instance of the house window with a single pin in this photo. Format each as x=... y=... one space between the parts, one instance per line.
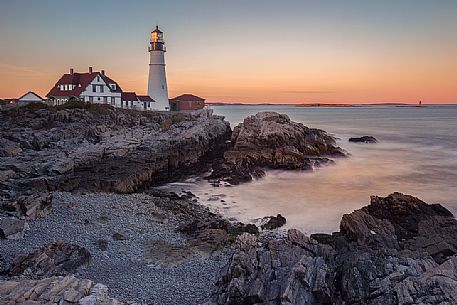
x=102 y=88
x=94 y=88
x=113 y=86
x=98 y=78
x=91 y=99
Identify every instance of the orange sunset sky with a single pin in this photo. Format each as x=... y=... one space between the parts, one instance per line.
x=240 y=51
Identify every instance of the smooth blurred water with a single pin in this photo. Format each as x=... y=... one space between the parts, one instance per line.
x=416 y=154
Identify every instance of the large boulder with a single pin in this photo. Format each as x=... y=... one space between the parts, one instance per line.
x=397 y=250
x=272 y=140
x=12 y=228
x=55 y=290
x=56 y=258
x=27 y=206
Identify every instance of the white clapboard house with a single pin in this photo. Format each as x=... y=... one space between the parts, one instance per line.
x=95 y=87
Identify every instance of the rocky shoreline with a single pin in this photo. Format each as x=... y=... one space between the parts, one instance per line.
x=270 y=140
x=80 y=224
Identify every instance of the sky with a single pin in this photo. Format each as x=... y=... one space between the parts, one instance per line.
x=289 y=51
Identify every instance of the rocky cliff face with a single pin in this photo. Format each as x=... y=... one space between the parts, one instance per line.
x=272 y=140
x=397 y=250
x=100 y=148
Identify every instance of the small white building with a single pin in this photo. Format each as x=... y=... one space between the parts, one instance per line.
x=130 y=100
x=93 y=87
x=29 y=98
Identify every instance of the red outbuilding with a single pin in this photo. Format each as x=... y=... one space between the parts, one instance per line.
x=187 y=102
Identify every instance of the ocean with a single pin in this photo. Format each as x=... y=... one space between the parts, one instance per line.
x=416 y=154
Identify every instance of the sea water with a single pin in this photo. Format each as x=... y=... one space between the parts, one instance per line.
x=416 y=154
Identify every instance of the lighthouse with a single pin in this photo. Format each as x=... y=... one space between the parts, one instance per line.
x=157 y=83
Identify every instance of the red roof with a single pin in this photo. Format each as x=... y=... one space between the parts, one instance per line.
x=129 y=96
x=188 y=98
x=81 y=81
x=145 y=98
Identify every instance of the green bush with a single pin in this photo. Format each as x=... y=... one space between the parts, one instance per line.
x=178 y=117
x=33 y=107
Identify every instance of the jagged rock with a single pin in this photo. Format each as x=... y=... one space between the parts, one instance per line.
x=9 y=148
x=289 y=270
x=107 y=149
x=28 y=206
x=35 y=206
x=397 y=250
x=364 y=139
x=61 y=167
x=56 y=258
x=12 y=228
x=273 y=222
x=99 y=296
x=55 y=290
x=272 y=140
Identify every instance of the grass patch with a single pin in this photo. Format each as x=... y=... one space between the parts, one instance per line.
x=174 y=119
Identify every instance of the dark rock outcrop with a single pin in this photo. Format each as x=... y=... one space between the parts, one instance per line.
x=99 y=148
x=364 y=139
x=272 y=140
x=273 y=222
x=397 y=250
x=56 y=258
x=28 y=206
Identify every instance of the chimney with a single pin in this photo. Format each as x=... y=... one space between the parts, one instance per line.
x=103 y=72
x=90 y=69
x=72 y=71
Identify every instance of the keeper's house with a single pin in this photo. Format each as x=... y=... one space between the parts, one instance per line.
x=93 y=87
x=96 y=87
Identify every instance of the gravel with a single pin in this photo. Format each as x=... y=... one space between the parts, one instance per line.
x=91 y=220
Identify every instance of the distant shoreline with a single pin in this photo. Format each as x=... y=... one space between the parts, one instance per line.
x=330 y=105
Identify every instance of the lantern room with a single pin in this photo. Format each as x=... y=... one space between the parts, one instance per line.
x=157 y=43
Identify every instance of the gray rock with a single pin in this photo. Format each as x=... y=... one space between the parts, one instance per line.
x=35 y=206
x=12 y=228
x=397 y=250
x=53 y=259
x=272 y=140
x=55 y=290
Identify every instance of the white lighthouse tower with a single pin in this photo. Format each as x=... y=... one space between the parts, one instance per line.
x=157 y=83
